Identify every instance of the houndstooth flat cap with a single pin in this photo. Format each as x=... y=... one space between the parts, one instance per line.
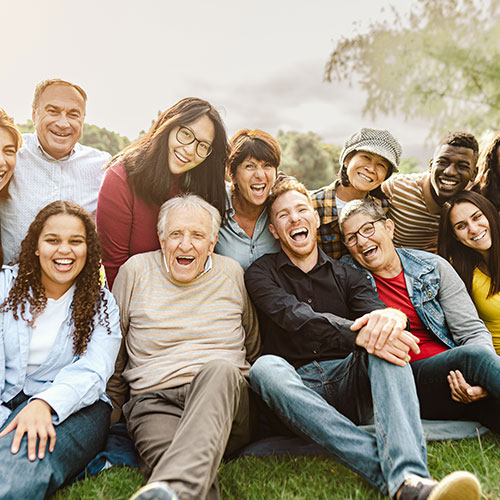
x=373 y=140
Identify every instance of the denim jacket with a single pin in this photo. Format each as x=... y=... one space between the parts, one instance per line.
x=65 y=381
x=440 y=298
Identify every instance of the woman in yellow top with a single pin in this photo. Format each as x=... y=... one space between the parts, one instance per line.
x=469 y=238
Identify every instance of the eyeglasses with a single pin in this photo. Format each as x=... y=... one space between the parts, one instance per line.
x=366 y=230
x=186 y=136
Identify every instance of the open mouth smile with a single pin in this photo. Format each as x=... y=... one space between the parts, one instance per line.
x=299 y=234
x=480 y=236
x=184 y=260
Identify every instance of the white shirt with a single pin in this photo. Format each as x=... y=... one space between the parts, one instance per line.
x=46 y=328
x=39 y=180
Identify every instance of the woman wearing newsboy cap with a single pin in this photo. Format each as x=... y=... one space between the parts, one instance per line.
x=367 y=159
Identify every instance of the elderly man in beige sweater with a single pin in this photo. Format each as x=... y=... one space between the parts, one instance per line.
x=189 y=335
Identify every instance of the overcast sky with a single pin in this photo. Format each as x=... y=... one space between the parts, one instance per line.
x=260 y=62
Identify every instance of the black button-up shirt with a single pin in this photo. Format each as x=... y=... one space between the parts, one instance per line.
x=306 y=316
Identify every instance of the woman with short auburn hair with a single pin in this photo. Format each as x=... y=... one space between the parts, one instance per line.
x=252 y=165
x=185 y=151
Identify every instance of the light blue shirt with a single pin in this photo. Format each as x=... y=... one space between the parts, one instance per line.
x=39 y=180
x=235 y=243
x=66 y=382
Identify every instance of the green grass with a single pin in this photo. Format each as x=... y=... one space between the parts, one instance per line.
x=298 y=478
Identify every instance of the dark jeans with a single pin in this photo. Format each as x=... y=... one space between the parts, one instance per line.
x=479 y=366
x=79 y=438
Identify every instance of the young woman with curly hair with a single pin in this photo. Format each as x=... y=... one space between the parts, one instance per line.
x=487 y=180
x=469 y=237
x=185 y=151
x=59 y=338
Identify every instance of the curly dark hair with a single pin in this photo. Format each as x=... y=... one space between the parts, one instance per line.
x=487 y=180
x=88 y=298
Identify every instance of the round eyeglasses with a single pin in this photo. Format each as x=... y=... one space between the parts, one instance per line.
x=366 y=230
x=186 y=136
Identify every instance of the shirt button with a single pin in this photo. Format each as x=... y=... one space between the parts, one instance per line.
x=309 y=301
x=315 y=352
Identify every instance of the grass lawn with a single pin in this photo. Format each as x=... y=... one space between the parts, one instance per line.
x=299 y=478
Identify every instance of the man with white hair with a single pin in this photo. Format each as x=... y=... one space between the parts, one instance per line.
x=189 y=333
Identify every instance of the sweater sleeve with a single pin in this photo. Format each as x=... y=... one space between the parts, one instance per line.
x=114 y=220
x=117 y=387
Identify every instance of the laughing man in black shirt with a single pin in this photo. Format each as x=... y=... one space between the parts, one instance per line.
x=335 y=358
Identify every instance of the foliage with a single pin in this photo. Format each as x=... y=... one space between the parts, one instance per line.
x=94 y=136
x=252 y=478
x=410 y=164
x=103 y=139
x=307 y=158
x=440 y=61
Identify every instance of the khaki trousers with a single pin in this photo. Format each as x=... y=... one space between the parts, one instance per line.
x=181 y=433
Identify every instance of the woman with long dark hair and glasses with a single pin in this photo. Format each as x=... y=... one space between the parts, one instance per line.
x=59 y=338
x=469 y=237
x=185 y=151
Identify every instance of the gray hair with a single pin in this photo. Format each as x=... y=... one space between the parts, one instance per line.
x=363 y=206
x=184 y=201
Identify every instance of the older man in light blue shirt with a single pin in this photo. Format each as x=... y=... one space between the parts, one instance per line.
x=51 y=165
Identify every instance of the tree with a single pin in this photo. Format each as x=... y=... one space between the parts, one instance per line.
x=441 y=61
x=94 y=136
x=307 y=158
x=103 y=139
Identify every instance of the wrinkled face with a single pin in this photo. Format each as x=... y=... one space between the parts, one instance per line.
x=184 y=157
x=294 y=222
x=62 y=250
x=186 y=243
x=366 y=171
x=376 y=252
x=471 y=227
x=452 y=168
x=254 y=179
x=58 y=119
x=8 y=149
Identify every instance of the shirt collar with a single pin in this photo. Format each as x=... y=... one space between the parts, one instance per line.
x=283 y=260
x=47 y=156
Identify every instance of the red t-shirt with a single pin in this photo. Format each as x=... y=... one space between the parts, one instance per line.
x=393 y=293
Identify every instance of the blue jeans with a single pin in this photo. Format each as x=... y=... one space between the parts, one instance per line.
x=479 y=365
x=325 y=400
x=78 y=439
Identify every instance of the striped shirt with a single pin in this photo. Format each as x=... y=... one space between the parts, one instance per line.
x=415 y=227
x=171 y=329
x=39 y=180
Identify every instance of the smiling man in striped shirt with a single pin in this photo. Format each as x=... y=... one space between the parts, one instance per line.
x=416 y=199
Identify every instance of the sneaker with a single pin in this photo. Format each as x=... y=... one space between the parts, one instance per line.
x=157 y=490
x=460 y=485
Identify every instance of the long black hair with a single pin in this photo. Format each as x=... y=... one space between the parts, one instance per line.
x=146 y=160
x=463 y=258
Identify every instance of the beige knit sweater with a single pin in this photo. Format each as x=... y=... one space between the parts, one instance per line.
x=170 y=329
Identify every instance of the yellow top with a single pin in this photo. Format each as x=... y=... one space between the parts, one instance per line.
x=487 y=308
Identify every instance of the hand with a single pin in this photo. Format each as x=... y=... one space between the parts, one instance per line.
x=381 y=326
x=35 y=420
x=393 y=351
x=463 y=392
